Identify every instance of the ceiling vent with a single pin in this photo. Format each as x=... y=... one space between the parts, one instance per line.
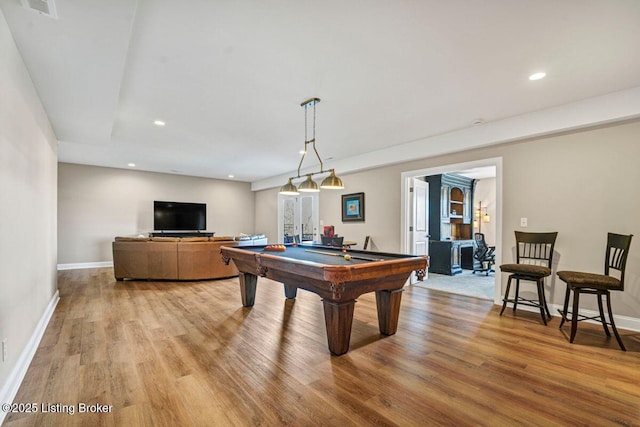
x=43 y=7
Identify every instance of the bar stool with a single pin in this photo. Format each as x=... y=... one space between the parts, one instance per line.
x=597 y=284
x=534 y=255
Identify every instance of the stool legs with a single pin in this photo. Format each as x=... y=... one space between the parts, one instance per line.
x=565 y=307
x=506 y=296
x=602 y=318
x=613 y=325
x=542 y=300
x=544 y=310
x=574 y=314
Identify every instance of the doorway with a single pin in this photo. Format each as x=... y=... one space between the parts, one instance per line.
x=298 y=218
x=468 y=169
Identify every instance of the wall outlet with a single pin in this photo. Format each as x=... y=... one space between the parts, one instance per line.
x=523 y=222
x=4 y=350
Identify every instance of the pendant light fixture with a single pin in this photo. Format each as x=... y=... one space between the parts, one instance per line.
x=309 y=185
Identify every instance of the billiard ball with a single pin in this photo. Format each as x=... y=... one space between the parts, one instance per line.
x=347 y=257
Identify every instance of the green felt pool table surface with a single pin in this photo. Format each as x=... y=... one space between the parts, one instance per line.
x=326 y=254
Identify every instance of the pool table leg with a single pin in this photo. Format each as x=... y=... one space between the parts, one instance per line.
x=290 y=292
x=388 y=303
x=338 y=317
x=248 y=284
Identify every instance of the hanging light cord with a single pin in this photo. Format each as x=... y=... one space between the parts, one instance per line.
x=305 y=104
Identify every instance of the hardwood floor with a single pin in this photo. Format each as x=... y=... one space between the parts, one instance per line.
x=169 y=353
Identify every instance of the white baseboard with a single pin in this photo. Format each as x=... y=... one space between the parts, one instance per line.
x=78 y=265
x=11 y=386
x=622 y=322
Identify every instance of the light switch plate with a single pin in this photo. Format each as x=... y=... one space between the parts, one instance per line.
x=523 y=222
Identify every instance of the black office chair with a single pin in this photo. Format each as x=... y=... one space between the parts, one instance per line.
x=332 y=241
x=597 y=284
x=483 y=255
x=534 y=255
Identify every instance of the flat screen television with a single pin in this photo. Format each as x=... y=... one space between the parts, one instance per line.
x=177 y=216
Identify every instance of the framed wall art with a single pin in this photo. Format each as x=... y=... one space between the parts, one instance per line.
x=353 y=207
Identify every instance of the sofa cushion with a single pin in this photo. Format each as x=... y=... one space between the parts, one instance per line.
x=220 y=238
x=194 y=239
x=131 y=239
x=165 y=239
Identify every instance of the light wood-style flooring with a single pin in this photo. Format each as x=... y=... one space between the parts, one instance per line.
x=174 y=354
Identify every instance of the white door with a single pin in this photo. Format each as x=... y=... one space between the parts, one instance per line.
x=298 y=216
x=309 y=223
x=419 y=219
x=287 y=218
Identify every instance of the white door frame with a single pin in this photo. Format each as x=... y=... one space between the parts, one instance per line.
x=405 y=213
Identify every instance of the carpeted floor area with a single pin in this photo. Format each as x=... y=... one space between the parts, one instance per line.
x=474 y=285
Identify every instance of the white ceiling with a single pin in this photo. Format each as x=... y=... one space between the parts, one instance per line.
x=228 y=78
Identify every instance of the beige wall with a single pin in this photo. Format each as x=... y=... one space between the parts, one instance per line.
x=28 y=160
x=581 y=184
x=95 y=204
x=382 y=208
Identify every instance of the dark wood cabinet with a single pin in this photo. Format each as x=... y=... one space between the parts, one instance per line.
x=450 y=223
x=450 y=206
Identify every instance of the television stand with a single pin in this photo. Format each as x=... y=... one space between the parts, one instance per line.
x=181 y=234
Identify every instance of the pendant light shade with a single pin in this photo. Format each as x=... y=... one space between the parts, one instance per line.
x=309 y=186
x=332 y=182
x=289 y=189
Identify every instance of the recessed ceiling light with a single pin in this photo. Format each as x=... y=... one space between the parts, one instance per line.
x=159 y=123
x=131 y=165
x=231 y=175
x=537 y=76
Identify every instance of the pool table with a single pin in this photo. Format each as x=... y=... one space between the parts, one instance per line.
x=336 y=278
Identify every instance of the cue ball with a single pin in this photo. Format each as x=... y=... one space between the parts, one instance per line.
x=347 y=257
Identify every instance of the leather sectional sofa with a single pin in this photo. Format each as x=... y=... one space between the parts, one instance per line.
x=171 y=258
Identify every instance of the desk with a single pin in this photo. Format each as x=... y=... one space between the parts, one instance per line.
x=450 y=256
x=336 y=280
